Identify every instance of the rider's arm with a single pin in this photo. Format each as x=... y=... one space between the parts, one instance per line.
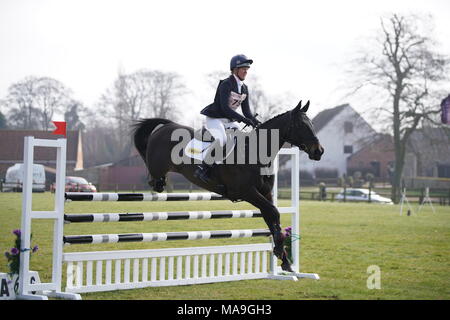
x=246 y=107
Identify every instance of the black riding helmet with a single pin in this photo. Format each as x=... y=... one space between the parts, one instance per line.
x=239 y=61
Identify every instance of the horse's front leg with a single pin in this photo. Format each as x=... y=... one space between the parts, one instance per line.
x=269 y=197
x=272 y=218
x=267 y=187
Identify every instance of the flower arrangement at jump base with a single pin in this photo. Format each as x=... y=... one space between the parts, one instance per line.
x=13 y=255
x=289 y=237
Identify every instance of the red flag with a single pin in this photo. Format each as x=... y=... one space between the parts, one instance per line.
x=60 y=127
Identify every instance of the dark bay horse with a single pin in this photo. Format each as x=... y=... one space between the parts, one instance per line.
x=153 y=139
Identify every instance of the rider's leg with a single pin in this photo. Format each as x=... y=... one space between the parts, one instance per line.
x=216 y=128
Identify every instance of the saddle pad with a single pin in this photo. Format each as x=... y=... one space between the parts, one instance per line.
x=196 y=149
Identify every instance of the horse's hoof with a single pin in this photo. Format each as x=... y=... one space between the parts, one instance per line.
x=158 y=184
x=155 y=187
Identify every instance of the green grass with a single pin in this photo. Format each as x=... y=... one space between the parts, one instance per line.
x=339 y=242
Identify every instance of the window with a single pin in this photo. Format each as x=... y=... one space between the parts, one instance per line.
x=444 y=171
x=375 y=168
x=348 y=149
x=348 y=127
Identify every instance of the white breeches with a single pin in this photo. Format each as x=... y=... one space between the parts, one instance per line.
x=217 y=126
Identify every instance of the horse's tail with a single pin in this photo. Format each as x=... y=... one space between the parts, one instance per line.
x=143 y=129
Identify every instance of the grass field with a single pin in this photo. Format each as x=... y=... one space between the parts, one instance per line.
x=340 y=241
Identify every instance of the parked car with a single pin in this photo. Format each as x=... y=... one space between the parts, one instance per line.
x=14 y=178
x=362 y=195
x=76 y=184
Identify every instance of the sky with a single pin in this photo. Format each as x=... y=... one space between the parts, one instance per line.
x=299 y=48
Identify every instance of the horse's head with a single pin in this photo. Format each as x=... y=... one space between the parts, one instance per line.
x=301 y=132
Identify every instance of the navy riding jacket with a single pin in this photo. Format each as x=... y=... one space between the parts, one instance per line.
x=221 y=108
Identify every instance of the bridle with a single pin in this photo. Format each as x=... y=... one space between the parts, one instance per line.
x=294 y=126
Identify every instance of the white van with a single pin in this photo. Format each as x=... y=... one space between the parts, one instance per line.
x=14 y=178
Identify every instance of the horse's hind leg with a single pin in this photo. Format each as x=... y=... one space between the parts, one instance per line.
x=157 y=173
x=157 y=184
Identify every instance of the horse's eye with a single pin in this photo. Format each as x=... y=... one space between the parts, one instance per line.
x=303 y=147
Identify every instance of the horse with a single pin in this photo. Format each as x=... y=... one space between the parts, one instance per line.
x=153 y=138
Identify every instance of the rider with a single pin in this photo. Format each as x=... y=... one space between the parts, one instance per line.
x=231 y=94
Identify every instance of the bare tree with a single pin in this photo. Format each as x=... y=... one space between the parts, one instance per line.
x=406 y=70
x=19 y=103
x=214 y=77
x=99 y=145
x=144 y=93
x=72 y=116
x=3 y=122
x=33 y=101
x=167 y=88
x=265 y=105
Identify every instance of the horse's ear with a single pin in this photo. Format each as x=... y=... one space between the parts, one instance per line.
x=305 y=108
x=298 y=107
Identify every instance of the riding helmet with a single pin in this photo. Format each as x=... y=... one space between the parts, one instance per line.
x=240 y=60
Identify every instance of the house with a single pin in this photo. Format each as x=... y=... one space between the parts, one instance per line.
x=342 y=132
x=11 y=151
x=128 y=173
x=427 y=159
x=377 y=157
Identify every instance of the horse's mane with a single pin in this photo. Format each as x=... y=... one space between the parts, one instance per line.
x=277 y=116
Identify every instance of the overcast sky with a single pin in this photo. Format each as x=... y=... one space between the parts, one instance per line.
x=299 y=47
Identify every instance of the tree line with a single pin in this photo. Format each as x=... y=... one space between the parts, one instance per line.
x=31 y=104
x=400 y=74
x=404 y=80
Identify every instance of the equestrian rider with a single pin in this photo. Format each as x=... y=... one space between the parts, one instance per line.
x=231 y=94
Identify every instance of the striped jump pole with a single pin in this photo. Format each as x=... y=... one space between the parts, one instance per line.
x=153 y=216
x=164 y=236
x=88 y=196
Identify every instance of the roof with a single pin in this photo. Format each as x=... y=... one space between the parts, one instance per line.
x=11 y=146
x=431 y=143
x=325 y=116
x=379 y=139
